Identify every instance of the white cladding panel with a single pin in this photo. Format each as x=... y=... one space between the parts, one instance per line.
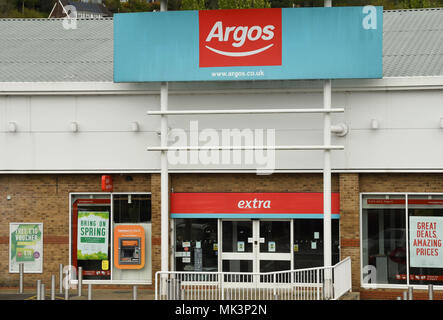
x=409 y=134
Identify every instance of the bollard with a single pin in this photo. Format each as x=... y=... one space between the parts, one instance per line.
x=178 y=293
x=39 y=284
x=80 y=281
x=171 y=290
x=134 y=293
x=67 y=292
x=60 y=271
x=21 y=269
x=431 y=292
x=89 y=291
x=405 y=295
x=53 y=287
x=410 y=293
x=43 y=294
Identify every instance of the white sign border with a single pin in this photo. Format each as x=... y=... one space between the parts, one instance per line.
x=9 y=250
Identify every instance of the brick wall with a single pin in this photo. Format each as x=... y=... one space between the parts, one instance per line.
x=349 y=223
x=244 y=182
x=45 y=198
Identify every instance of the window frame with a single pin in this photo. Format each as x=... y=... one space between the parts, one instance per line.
x=385 y=285
x=111 y=260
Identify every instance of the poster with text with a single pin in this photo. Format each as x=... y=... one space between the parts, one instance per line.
x=26 y=246
x=425 y=236
x=92 y=235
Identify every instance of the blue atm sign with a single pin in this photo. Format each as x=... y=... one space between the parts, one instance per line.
x=249 y=44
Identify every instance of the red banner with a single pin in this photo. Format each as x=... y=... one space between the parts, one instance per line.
x=418 y=277
x=251 y=203
x=249 y=37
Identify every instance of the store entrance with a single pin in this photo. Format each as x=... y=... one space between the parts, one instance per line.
x=256 y=245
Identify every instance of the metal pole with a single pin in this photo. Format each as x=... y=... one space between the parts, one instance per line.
x=43 y=294
x=60 y=272
x=67 y=292
x=164 y=181
x=80 y=281
x=327 y=242
x=327 y=247
x=405 y=295
x=410 y=293
x=53 y=287
x=134 y=293
x=431 y=292
x=21 y=269
x=39 y=288
x=89 y=291
x=164 y=176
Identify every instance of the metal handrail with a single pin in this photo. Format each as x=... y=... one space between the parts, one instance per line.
x=310 y=278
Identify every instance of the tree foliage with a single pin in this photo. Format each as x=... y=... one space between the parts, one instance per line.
x=42 y=8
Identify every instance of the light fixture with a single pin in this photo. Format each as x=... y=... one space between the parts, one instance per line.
x=134 y=126
x=340 y=129
x=12 y=127
x=74 y=127
x=374 y=124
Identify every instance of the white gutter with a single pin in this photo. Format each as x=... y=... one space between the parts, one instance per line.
x=107 y=88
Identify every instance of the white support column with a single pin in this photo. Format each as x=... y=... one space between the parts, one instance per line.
x=164 y=179
x=327 y=242
x=164 y=175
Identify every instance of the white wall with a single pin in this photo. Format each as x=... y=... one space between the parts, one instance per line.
x=409 y=136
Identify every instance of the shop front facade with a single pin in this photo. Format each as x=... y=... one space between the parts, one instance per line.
x=63 y=137
x=373 y=219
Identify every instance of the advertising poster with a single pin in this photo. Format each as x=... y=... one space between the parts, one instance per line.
x=93 y=235
x=425 y=241
x=26 y=246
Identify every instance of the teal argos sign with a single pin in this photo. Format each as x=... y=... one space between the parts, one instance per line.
x=249 y=44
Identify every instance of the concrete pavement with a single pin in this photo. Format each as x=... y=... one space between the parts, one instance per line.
x=97 y=294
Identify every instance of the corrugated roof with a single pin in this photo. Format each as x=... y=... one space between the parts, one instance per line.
x=413 y=43
x=42 y=50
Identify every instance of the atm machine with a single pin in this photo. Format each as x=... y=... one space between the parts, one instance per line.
x=129 y=247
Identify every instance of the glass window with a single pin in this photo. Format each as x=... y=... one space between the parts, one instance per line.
x=196 y=247
x=132 y=208
x=308 y=243
x=384 y=239
x=425 y=239
x=92 y=227
x=91 y=236
x=236 y=235
x=276 y=236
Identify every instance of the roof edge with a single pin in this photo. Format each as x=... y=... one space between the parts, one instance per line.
x=93 y=88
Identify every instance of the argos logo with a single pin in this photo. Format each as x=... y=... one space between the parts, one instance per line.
x=247 y=37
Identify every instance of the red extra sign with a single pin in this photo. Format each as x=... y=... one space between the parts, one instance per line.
x=250 y=203
x=248 y=37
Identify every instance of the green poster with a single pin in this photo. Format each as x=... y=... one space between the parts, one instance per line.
x=92 y=235
x=26 y=246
